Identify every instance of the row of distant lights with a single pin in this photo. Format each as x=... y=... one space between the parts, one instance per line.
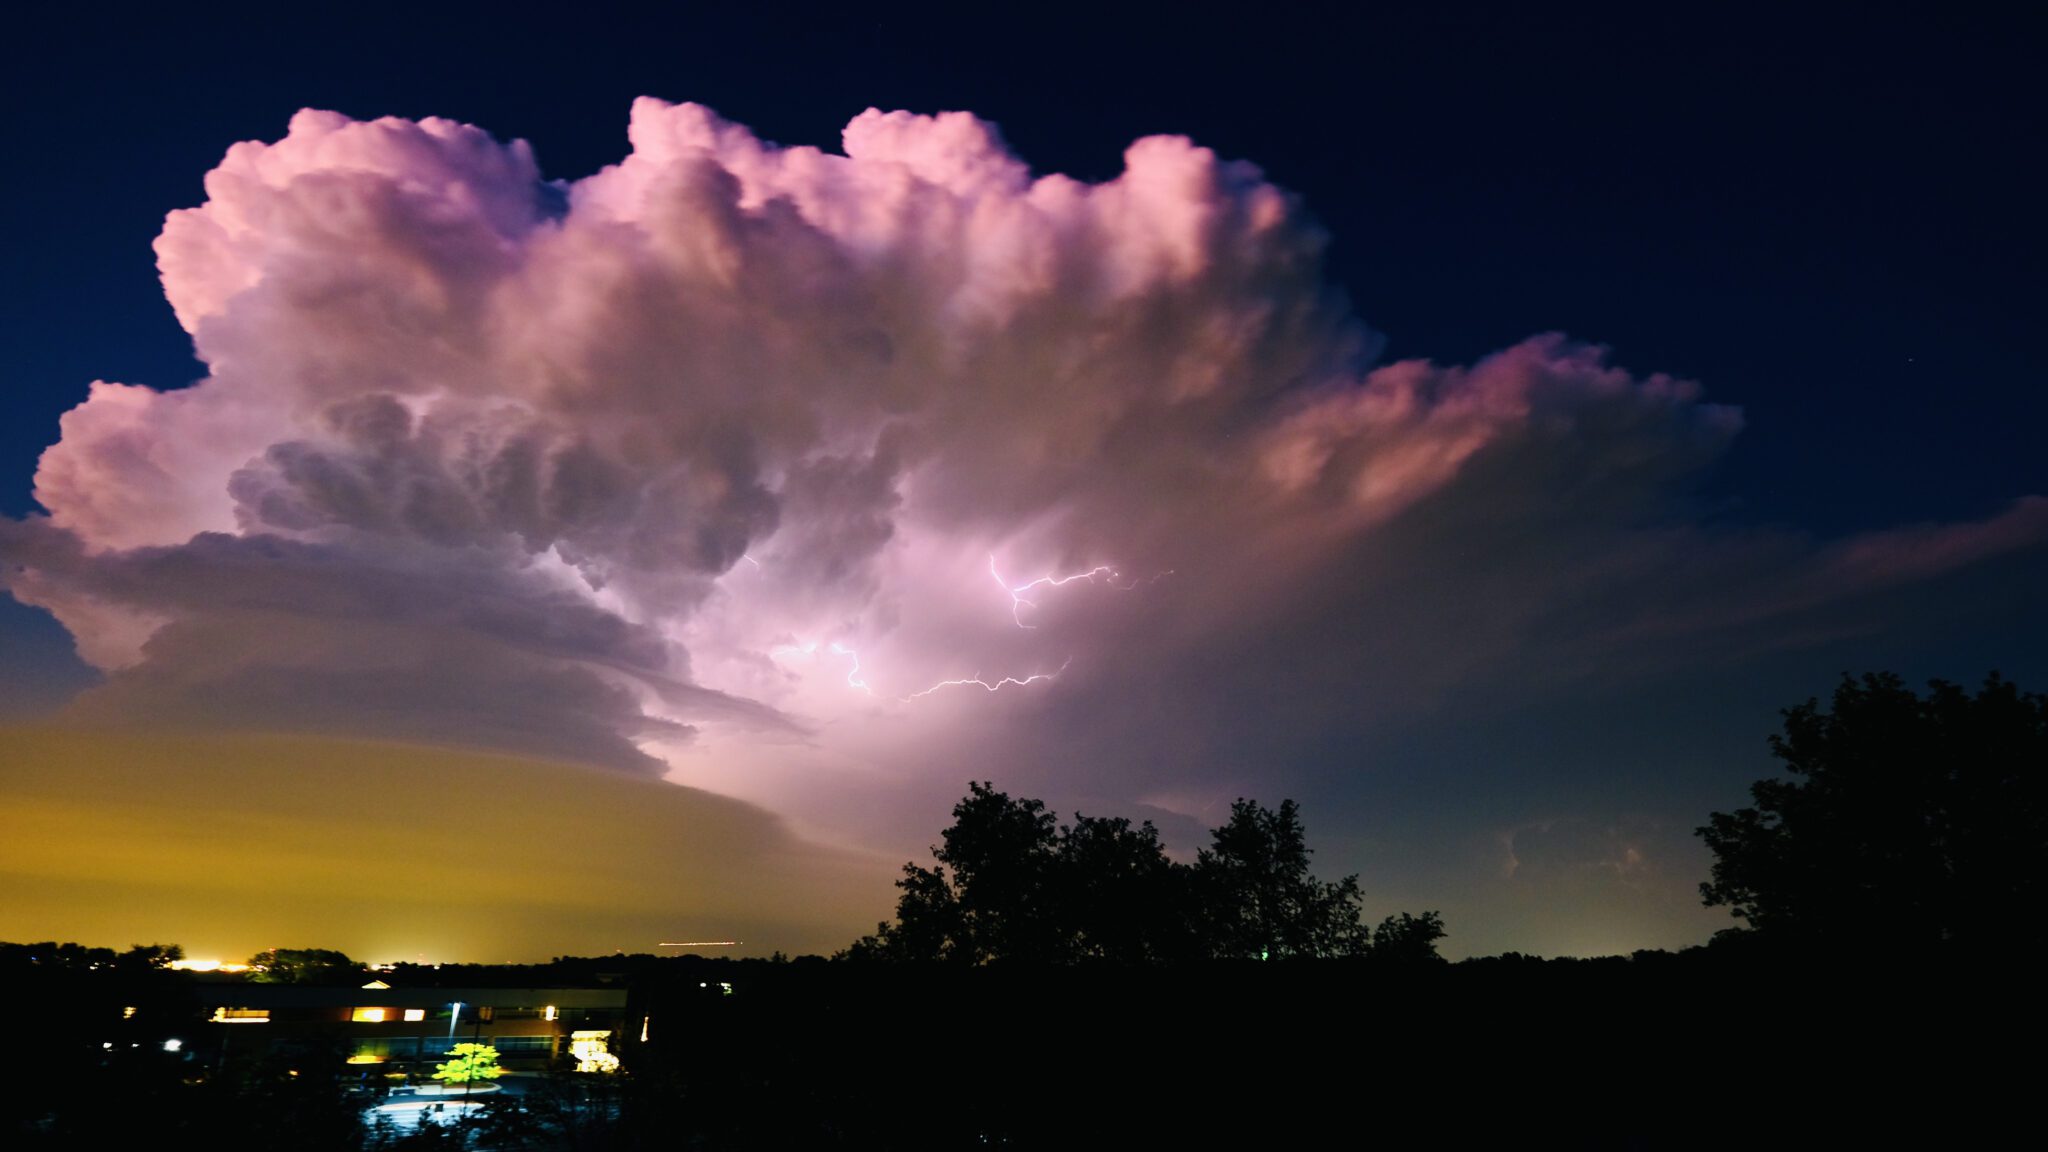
x=359 y=1015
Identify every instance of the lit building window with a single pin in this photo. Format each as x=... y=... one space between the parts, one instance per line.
x=367 y=1015
x=127 y=1013
x=415 y=1013
x=241 y=1015
x=552 y=1013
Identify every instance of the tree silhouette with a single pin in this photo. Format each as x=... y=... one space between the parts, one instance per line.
x=1406 y=939
x=1121 y=899
x=1003 y=853
x=302 y=966
x=1262 y=901
x=997 y=902
x=1012 y=885
x=149 y=957
x=1910 y=824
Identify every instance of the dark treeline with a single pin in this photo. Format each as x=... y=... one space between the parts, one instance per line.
x=102 y=1056
x=1652 y=1050
x=1012 y=885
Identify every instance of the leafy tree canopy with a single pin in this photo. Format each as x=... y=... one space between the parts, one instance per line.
x=1909 y=823
x=468 y=1063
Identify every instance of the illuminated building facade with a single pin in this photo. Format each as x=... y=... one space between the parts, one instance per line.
x=407 y=1027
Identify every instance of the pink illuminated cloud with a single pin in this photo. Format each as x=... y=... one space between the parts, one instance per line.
x=627 y=469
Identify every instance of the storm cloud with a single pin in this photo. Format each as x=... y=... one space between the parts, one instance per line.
x=828 y=480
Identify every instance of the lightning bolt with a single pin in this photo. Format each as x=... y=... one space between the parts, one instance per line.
x=853 y=677
x=1019 y=602
x=1135 y=582
x=978 y=682
x=1107 y=573
x=853 y=674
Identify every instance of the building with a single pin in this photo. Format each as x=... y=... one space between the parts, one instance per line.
x=408 y=1028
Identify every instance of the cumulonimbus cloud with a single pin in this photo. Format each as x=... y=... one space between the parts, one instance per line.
x=769 y=441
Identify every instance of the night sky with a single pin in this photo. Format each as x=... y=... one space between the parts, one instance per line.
x=1473 y=423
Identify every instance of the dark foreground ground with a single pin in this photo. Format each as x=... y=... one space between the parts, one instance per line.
x=1656 y=1052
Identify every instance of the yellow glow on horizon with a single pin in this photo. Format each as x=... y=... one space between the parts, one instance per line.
x=237 y=843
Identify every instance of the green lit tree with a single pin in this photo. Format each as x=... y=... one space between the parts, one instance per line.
x=469 y=1063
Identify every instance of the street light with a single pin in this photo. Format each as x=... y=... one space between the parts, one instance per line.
x=455 y=1018
x=476 y=1037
